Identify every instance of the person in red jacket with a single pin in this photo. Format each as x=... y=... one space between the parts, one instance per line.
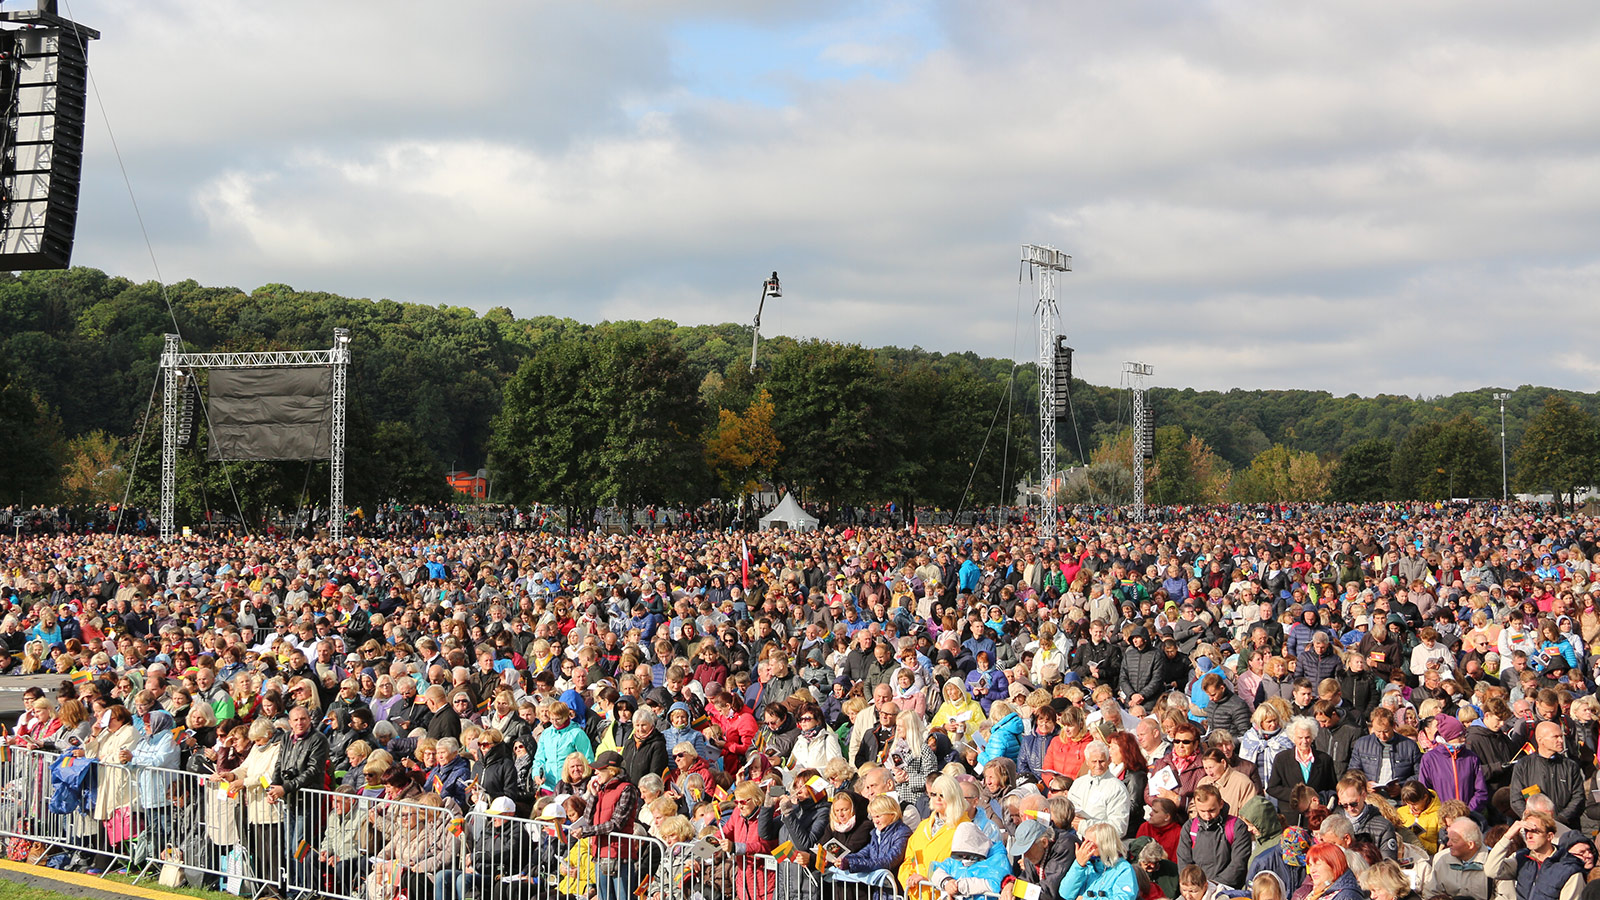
x=739 y=727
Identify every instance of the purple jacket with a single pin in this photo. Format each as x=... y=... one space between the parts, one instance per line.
x=1457 y=776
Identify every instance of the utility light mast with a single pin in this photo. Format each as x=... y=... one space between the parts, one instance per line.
x=769 y=288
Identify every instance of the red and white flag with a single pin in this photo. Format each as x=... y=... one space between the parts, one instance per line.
x=744 y=562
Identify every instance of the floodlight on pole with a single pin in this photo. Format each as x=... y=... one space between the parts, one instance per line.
x=1505 y=484
x=1044 y=263
x=769 y=288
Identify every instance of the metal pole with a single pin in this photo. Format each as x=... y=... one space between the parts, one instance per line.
x=1505 y=493
x=171 y=384
x=341 y=364
x=1141 y=446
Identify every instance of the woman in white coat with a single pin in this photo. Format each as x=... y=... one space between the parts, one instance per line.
x=113 y=748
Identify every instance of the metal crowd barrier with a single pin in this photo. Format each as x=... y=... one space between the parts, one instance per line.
x=90 y=830
x=352 y=847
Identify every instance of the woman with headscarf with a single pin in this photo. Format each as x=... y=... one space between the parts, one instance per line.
x=155 y=759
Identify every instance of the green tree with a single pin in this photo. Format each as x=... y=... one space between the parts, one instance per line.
x=1365 y=472
x=92 y=469
x=1560 y=452
x=1281 y=475
x=547 y=437
x=31 y=438
x=828 y=401
x=1173 y=481
x=649 y=403
x=1437 y=461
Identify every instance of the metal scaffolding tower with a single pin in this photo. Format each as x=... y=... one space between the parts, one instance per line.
x=174 y=363
x=1143 y=443
x=1043 y=264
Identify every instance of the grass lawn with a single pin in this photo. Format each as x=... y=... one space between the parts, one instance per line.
x=10 y=890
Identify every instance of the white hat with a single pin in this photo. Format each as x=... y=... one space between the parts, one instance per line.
x=557 y=808
x=502 y=806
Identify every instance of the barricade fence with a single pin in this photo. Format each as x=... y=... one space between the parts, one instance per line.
x=200 y=830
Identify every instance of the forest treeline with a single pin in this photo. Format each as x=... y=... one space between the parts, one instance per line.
x=656 y=412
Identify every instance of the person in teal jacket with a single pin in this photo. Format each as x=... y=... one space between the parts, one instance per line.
x=556 y=743
x=976 y=864
x=1005 y=735
x=1100 y=871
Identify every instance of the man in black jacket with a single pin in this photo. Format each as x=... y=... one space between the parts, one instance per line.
x=302 y=765
x=1097 y=656
x=1557 y=776
x=1140 y=680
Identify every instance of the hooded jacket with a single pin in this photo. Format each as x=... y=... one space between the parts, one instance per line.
x=975 y=874
x=1005 y=740
x=1140 y=672
x=649 y=756
x=1454 y=774
x=1115 y=882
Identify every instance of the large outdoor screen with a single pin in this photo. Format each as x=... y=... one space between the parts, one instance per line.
x=257 y=414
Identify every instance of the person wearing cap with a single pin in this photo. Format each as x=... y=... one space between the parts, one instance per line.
x=494 y=850
x=613 y=807
x=1042 y=855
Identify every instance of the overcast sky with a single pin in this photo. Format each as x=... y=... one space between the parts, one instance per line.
x=1357 y=196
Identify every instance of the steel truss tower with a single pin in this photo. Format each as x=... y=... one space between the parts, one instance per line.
x=174 y=362
x=1043 y=264
x=1143 y=445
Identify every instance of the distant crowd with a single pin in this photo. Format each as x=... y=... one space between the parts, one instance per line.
x=1388 y=701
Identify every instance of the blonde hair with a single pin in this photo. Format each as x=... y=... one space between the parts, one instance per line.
x=675 y=828
x=955 y=802
x=883 y=805
x=1266 y=885
x=1107 y=840
x=1385 y=876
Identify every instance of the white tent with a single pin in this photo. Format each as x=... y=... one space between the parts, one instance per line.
x=788 y=514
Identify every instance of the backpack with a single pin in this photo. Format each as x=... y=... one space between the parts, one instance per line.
x=1228 y=828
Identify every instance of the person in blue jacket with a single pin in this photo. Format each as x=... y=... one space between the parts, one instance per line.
x=1005 y=735
x=976 y=865
x=1100 y=871
x=886 y=847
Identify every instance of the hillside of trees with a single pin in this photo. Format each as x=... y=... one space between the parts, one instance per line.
x=655 y=412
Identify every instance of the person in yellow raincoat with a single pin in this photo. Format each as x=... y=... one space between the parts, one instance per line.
x=930 y=843
x=958 y=712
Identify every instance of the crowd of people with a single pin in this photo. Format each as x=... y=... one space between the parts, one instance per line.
x=1387 y=702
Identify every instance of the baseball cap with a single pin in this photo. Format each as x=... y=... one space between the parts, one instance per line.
x=1026 y=835
x=502 y=806
x=607 y=760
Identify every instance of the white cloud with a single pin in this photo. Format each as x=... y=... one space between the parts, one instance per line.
x=1360 y=196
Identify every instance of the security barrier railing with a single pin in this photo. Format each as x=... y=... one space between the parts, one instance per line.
x=201 y=831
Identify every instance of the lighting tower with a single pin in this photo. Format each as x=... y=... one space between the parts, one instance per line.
x=1044 y=263
x=769 y=288
x=1505 y=494
x=1143 y=433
